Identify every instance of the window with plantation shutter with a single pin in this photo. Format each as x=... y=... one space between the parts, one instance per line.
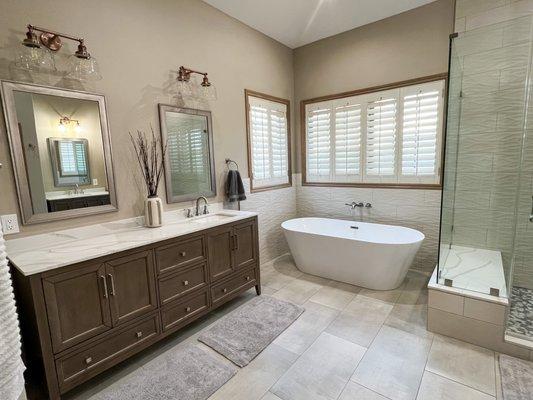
x=268 y=140
x=422 y=120
x=383 y=137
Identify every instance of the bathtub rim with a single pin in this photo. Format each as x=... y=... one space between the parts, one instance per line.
x=403 y=243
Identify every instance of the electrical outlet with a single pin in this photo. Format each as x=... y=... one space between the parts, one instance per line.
x=10 y=224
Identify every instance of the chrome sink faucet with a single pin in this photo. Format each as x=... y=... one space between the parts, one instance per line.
x=206 y=210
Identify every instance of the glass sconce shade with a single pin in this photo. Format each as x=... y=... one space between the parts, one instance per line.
x=85 y=69
x=208 y=92
x=35 y=59
x=185 y=88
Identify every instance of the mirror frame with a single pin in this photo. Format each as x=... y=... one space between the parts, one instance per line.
x=163 y=108
x=17 y=154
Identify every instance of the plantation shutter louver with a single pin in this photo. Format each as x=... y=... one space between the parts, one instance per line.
x=318 y=144
x=381 y=138
x=347 y=141
x=268 y=131
x=421 y=131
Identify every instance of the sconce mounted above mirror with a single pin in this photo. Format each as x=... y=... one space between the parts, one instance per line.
x=188 y=88
x=33 y=57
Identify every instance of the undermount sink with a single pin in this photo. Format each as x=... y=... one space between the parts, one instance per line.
x=209 y=218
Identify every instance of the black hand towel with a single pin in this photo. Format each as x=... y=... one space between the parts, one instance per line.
x=234 y=186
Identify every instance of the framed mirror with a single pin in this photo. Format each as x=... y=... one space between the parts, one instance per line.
x=61 y=151
x=189 y=161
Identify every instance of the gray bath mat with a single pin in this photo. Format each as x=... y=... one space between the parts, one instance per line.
x=186 y=373
x=517 y=378
x=243 y=334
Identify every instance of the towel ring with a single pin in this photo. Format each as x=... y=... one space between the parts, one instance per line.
x=230 y=161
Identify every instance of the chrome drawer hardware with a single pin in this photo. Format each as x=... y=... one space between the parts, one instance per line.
x=139 y=334
x=247 y=278
x=183 y=253
x=188 y=309
x=105 y=286
x=185 y=283
x=112 y=284
x=88 y=360
x=225 y=290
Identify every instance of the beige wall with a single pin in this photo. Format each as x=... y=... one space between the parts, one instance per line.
x=138 y=43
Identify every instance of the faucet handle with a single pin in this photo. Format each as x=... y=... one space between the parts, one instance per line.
x=206 y=210
x=368 y=205
x=189 y=213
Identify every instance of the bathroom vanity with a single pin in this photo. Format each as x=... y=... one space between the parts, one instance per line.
x=89 y=298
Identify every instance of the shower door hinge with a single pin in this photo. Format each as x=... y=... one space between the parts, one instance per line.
x=461 y=94
x=454 y=35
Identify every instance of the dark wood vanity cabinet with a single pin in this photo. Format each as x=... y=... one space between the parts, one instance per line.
x=80 y=320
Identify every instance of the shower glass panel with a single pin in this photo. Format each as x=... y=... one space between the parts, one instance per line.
x=486 y=160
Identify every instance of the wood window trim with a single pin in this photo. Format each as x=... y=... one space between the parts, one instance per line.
x=251 y=93
x=373 y=89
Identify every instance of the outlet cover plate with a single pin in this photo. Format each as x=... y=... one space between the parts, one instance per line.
x=10 y=224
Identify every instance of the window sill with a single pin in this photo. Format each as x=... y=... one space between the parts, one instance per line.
x=272 y=187
x=419 y=186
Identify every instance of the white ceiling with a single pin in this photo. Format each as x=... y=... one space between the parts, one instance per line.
x=299 y=22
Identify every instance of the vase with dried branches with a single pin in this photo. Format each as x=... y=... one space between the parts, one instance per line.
x=150 y=152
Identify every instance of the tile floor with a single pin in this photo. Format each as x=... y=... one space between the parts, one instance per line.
x=351 y=343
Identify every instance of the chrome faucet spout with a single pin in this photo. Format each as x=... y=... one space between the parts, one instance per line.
x=206 y=210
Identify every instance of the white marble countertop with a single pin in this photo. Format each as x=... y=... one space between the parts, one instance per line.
x=45 y=252
x=66 y=195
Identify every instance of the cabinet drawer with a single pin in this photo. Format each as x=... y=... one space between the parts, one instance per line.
x=175 y=255
x=234 y=284
x=73 y=369
x=176 y=313
x=178 y=285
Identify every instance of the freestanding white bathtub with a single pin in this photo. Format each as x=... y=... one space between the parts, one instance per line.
x=374 y=256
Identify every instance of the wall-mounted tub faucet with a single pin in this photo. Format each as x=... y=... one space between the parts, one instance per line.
x=353 y=205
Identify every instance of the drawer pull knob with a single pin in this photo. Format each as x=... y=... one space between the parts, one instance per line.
x=185 y=283
x=183 y=253
x=247 y=278
x=139 y=334
x=225 y=290
x=88 y=360
x=188 y=309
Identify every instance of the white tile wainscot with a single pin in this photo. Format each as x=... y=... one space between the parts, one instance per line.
x=475 y=318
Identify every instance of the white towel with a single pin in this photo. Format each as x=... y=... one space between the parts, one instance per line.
x=11 y=366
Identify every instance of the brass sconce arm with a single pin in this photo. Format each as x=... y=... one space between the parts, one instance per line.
x=52 y=40
x=184 y=75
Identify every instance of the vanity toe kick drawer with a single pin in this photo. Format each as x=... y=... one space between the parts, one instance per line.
x=180 y=254
x=79 y=366
x=177 y=313
x=178 y=285
x=222 y=290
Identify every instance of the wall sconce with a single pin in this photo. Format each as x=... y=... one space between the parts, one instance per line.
x=33 y=57
x=66 y=122
x=187 y=88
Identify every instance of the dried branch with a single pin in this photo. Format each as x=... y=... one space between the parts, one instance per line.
x=148 y=156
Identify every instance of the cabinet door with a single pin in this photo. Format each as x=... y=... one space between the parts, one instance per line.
x=131 y=285
x=77 y=304
x=220 y=252
x=244 y=246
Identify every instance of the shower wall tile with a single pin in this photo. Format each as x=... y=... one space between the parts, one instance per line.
x=517 y=31
x=513 y=77
x=497 y=59
x=466 y=8
x=481 y=84
x=273 y=207
x=479 y=123
x=480 y=16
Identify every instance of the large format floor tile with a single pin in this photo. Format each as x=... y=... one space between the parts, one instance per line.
x=464 y=363
x=253 y=382
x=304 y=331
x=321 y=372
x=353 y=391
x=394 y=364
x=299 y=291
x=335 y=295
x=361 y=320
x=436 y=387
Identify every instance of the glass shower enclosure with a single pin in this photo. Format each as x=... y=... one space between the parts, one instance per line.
x=486 y=238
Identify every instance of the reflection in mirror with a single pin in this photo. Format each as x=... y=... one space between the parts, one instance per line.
x=189 y=164
x=65 y=168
